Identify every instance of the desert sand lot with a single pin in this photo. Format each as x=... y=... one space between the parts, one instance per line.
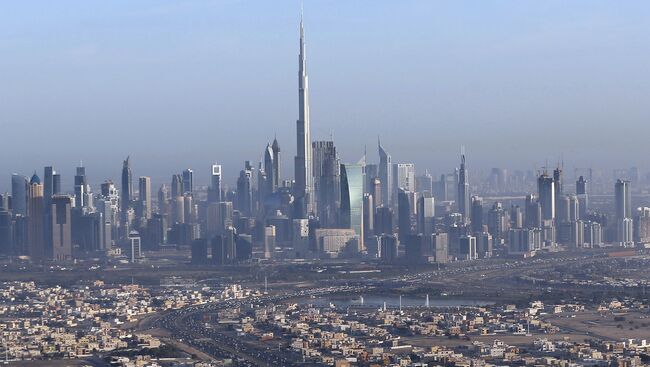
x=634 y=325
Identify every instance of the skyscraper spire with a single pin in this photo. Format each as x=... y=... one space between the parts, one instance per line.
x=304 y=182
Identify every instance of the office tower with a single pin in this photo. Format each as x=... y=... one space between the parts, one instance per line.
x=498 y=179
x=48 y=192
x=440 y=242
x=623 y=199
x=269 y=167
x=56 y=184
x=468 y=248
x=199 y=251
x=477 y=214
x=127 y=186
x=424 y=183
x=414 y=247
x=388 y=248
x=135 y=246
x=546 y=191
x=426 y=213
x=164 y=206
x=583 y=199
x=300 y=237
x=642 y=226
x=403 y=178
x=327 y=182
x=48 y=186
x=35 y=212
x=516 y=217
x=276 y=164
x=219 y=256
x=557 y=183
x=593 y=236
x=214 y=190
x=498 y=222
x=178 y=209
x=368 y=216
x=303 y=186
x=244 y=193
x=89 y=231
x=6 y=232
x=372 y=172
x=440 y=189
x=269 y=241
x=484 y=245
x=623 y=212
x=108 y=204
x=385 y=176
x=188 y=209
x=144 y=187
x=522 y=241
x=403 y=215
x=225 y=216
x=156 y=234
x=383 y=220
x=177 y=186
x=19 y=194
x=533 y=212
x=352 y=199
x=463 y=197
x=61 y=206
x=80 y=187
x=188 y=181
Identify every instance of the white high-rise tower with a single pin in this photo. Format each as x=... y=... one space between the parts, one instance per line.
x=304 y=181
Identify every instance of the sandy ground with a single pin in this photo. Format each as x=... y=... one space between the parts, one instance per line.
x=590 y=323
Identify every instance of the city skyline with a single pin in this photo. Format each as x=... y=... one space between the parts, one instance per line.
x=75 y=111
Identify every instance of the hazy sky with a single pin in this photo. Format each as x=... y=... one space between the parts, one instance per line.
x=180 y=84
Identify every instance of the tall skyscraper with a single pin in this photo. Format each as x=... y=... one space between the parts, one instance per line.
x=269 y=170
x=81 y=188
x=35 y=230
x=583 y=198
x=214 y=191
x=144 y=187
x=385 y=175
x=403 y=215
x=127 y=185
x=177 y=186
x=48 y=186
x=19 y=194
x=61 y=227
x=326 y=182
x=463 y=191
x=188 y=181
x=426 y=213
x=623 y=200
x=403 y=178
x=546 y=191
x=304 y=183
x=276 y=164
x=352 y=199
x=244 y=193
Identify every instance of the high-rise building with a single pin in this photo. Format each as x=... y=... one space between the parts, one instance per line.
x=35 y=230
x=403 y=215
x=270 y=185
x=177 y=186
x=214 y=191
x=188 y=181
x=623 y=199
x=426 y=213
x=80 y=187
x=352 y=199
x=326 y=182
x=61 y=206
x=48 y=186
x=144 y=187
x=533 y=212
x=276 y=164
x=463 y=196
x=19 y=194
x=385 y=176
x=403 y=178
x=383 y=220
x=368 y=216
x=127 y=185
x=477 y=214
x=135 y=246
x=303 y=186
x=244 y=193
x=583 y=198
x=546 y=190
x=424 y=183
